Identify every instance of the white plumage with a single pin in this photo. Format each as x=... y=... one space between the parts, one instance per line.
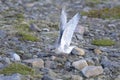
x=66 y=33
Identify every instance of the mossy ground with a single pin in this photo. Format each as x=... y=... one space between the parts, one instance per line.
x=113 y=13
x=92 y=3
x=24 y=32
x=27 y=36
x=103 y=42
x=17 y=68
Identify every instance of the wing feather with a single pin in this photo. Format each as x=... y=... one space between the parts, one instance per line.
x=63 y=21
x=69 y=30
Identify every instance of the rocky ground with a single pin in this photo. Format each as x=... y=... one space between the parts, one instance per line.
x=29 y=30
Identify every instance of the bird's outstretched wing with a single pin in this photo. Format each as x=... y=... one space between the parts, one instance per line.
x=63 y=21
x=69 y=30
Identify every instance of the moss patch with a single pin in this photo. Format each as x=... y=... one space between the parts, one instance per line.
x=24 y=32
x=22 y=26
x=103 y=42
x=92 y=3
x=27 y=36
x=17 y=68
x=113 y=13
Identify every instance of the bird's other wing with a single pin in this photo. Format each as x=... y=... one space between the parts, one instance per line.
x=69 y=30
x=63 y=21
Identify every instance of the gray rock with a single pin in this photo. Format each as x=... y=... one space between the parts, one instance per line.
x=52 y=73
x=92 y=71
x=67 y=64
x=2 y=34
x=1 y=65
x=80 y=64
x=90 y=61
x=118 y=77
x=96 y=60
x=47 y=77
x=34 y=27
x=78 y=51
x=86 y=9
x=6 y=60
x=50 y=64
x=12 y=77
x=97 y=51
x=49 y=72
x=37 y=62
x=76 y=77
x=105 y=62
x=15 y=57
x=113 y=66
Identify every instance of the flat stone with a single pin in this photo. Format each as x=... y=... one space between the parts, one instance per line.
x=92 y=71
x=80 y=64
x=12 y=77
x=50 y=64
x=76 y=77
x=38 y=63
x=78 y=51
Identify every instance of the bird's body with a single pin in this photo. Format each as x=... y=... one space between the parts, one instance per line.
x=66 y=33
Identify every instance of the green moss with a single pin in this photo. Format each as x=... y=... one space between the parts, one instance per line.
x=17 y=68
x=17 y=16
x=22 y=26
x=103 y=42
x=92 y=3
x=113 y=13
x=27 y=36
x=24 y=32
x=20 y=16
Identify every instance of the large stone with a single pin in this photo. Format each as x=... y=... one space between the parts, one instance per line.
x=38 y=63
x=78 y=51
x=118 y=77
x=92 y=71
x=80 y=64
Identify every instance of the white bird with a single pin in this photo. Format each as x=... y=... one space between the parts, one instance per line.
x=66 y=33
